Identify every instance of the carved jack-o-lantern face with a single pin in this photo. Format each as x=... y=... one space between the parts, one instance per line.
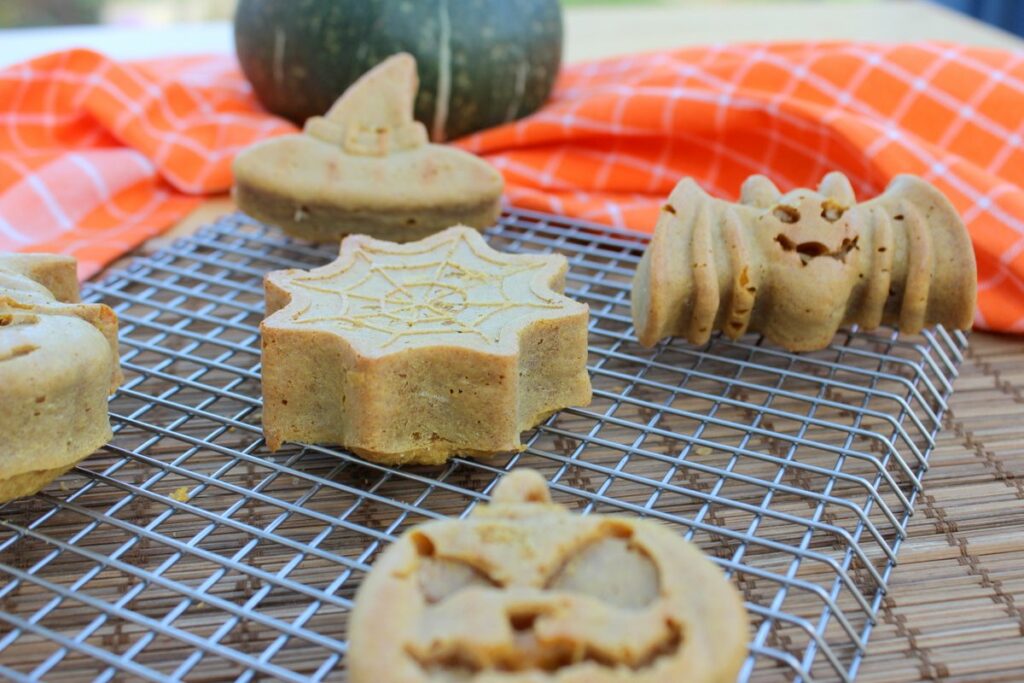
x=525 y=591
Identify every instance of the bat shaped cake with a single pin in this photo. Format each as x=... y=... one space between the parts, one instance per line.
x=798 y=266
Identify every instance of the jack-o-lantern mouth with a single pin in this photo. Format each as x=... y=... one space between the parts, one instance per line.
x=609 y=582
x=530 y=652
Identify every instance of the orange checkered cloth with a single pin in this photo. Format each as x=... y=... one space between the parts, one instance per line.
x=96 y=156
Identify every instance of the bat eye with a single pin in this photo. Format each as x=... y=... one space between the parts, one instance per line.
x=613 y=570
x=786 y=214
x=832 y=210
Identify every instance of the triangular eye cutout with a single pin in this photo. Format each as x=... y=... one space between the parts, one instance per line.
x=374 y=116
x=611 y=570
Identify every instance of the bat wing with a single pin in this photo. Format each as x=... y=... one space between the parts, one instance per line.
x=676 y=287
x=934 y=277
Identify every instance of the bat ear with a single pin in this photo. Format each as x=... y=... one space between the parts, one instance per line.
x=837 y=187
x=758 y=191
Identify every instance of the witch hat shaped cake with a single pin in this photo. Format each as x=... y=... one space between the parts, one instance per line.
x=367 y=167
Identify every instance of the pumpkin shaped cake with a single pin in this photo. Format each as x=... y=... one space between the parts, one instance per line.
x=522 y=591
x=797 y=266
x=366 y=167
x=58 y=364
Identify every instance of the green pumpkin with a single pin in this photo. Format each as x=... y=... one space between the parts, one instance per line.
x=481 y=62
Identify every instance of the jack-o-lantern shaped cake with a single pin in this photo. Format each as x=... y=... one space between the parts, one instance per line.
x=58 y=365
x=525 y=592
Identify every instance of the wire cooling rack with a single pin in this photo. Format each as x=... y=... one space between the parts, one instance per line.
x=184 y=550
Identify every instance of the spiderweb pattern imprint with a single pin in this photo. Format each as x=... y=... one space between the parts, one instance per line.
x=398 y=293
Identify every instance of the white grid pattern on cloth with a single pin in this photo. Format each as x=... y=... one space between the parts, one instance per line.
x=83 y=138
x=173 y=135
x=105 y=180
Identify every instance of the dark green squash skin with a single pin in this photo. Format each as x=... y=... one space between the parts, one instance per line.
x=300 y=55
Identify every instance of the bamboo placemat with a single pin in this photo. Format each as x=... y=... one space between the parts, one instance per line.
x=955 y=608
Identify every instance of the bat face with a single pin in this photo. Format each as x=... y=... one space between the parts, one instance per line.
x=797 y=267
x=811 y=247
x=808 y=225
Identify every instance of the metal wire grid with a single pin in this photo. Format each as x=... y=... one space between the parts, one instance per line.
x=184 y=550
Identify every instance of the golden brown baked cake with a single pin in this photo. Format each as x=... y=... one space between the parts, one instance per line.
x=796 y=267
x=366 y=167
x=525 y=592
x=411 y=353
x=58 y=364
